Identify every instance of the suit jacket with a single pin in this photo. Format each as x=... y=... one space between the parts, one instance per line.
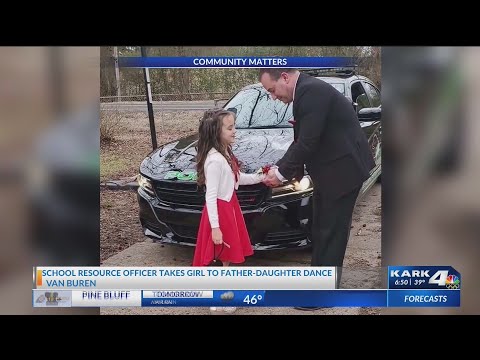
x=328 y=139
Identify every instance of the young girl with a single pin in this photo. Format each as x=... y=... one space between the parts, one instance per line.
x=222 y=220
x=217 y=168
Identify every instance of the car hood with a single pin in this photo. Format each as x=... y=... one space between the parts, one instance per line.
x=254 y=148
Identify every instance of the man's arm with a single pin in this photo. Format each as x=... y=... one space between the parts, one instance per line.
x=280 y=162
x=299 y=169
x=313 y=108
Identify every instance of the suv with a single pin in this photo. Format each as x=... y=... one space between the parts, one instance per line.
x=277 y=218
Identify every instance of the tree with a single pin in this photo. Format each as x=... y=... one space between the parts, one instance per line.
x=108 y=86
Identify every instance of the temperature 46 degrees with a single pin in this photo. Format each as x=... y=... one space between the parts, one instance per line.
x=252 y=300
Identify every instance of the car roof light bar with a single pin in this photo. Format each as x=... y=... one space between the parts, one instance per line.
x=333 y=71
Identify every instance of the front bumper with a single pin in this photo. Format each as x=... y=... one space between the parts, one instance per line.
x=274 y=224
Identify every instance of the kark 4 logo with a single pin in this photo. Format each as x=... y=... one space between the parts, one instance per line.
x=440 y=278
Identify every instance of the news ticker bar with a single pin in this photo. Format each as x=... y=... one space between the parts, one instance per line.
x=185 y=278
x=246 y=298
x=233 y=278
x=206 y=62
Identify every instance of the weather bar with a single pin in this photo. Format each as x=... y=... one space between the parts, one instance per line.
x=246 y=298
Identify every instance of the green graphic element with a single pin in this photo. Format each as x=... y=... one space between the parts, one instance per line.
x=171 y=175
x=187 y=175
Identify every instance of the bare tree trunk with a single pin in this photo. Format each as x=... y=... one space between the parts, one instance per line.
x=184 y=76
x=107 y=73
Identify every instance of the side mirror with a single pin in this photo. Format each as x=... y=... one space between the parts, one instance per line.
x=234 y=110
x=370 y=114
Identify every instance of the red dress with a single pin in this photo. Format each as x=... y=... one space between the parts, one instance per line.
x=234 y=231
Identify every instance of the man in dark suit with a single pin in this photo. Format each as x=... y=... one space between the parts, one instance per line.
x=329 y=141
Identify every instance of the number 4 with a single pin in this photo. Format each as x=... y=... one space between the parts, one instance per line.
x=439 y=278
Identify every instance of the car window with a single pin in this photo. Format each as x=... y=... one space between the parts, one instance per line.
x=359 y=96
x=339 y=86
x=256 y=109
x=373 y=94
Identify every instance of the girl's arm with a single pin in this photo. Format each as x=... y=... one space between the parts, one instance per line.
x=213 y=170
x=250 y=179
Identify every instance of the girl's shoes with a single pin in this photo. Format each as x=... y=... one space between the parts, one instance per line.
x=217 y=310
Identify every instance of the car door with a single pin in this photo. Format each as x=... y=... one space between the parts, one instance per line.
x=361 y=101
x=374 y=140
x=373 y=94
x=359 y=96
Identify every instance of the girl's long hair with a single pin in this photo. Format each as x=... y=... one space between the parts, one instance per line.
x=209 y=132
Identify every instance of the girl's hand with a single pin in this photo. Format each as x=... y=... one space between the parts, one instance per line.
x=217 y=236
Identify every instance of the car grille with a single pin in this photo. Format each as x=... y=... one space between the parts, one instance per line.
x=190 y=234
x=188 y=194
x=285 y=236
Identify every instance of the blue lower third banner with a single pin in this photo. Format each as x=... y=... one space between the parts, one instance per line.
x=246 y=298
x=234 y=62
x=278 y=298
x=290 y=298
x=423 y=298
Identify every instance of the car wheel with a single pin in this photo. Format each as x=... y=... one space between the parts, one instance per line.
x=376 y=147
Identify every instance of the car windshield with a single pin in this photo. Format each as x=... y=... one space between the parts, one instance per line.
x=257 y=110
x=339 y=86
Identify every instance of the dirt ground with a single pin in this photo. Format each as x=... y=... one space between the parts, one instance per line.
x=121 y=158
x=123 y=242
x=132 y=141
x=362 y=266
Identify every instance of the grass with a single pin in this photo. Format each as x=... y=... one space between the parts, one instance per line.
x=111 y=166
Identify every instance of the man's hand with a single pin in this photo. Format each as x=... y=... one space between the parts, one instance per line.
x=217 y=236
x=271 y=179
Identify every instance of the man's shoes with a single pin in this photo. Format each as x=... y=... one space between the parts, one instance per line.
x=307 y=308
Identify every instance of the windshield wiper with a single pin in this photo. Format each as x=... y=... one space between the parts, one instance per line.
x=253 y=108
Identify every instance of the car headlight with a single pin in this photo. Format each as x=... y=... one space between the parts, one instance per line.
x=294 y=187
x=145 y=184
